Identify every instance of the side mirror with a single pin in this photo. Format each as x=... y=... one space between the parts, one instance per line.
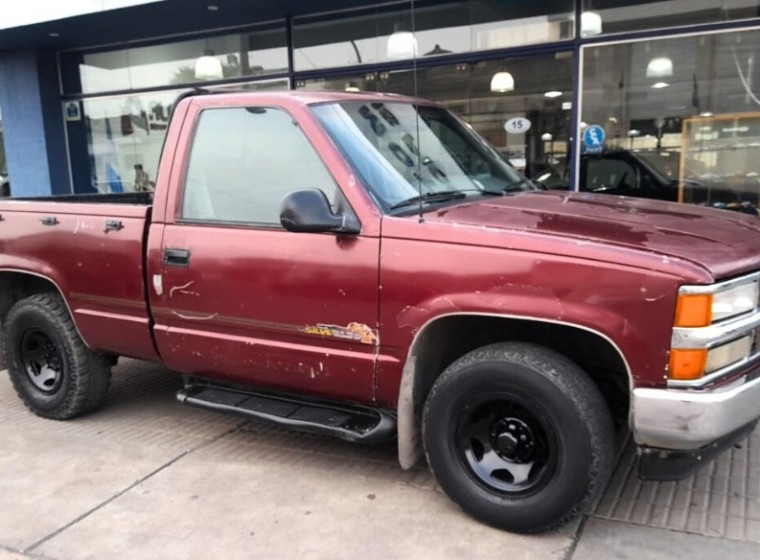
x=308 y=211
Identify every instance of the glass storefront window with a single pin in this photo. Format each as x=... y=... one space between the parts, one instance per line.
x=540 y=101
x=251 y=54
x=675 y=119
x=616 y=16
x=385 y=34
x=115 y=142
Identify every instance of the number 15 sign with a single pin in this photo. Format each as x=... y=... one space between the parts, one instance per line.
x=517 y=125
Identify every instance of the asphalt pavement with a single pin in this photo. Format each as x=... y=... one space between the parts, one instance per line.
x=146 y=477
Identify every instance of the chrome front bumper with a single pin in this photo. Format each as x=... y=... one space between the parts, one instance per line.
x=679 y=419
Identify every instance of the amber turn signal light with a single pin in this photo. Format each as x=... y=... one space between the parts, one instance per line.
x=694 y=310
x=686 y=365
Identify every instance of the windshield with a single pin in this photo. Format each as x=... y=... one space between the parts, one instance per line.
x=406 y=153
x=666 y=164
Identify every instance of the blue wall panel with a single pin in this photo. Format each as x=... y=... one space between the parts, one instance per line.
x=35 y=142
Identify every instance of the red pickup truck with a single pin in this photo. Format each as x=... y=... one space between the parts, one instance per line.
x=365 y=266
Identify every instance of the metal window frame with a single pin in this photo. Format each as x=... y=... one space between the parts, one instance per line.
x=577 y=45
x=633 y=38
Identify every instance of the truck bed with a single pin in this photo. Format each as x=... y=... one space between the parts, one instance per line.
x=139 y=198
x=91 y=247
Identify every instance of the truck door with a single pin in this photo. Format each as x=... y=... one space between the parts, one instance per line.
x=235 y=295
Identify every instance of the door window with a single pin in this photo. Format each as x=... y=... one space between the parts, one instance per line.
x=604 y=174
x=244 y=161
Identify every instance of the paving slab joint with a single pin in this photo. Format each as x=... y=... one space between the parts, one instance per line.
x=136 y=483
x=576 y=538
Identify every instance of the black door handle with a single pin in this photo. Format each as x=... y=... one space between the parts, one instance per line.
x=49 y=221
x=176 y=257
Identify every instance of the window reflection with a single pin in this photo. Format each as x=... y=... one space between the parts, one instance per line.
x=541 y=97
x=683 y=113
x=404 y=152
x=116 y=142
x=233 y=145
x=384 y=34
x=614 y=16
x=124 y=138
x=250 y=54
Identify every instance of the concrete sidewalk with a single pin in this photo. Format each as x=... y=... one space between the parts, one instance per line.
x=146 y=478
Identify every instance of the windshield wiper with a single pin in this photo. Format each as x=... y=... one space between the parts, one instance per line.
x=441 y=196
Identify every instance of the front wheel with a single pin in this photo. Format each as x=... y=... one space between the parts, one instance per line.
x=518 y=436
x=53 y=372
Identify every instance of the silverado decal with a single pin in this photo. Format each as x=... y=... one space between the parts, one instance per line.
x=354 y=331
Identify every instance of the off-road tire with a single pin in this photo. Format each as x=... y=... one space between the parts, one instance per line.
x=566 y=405
x=84 y=375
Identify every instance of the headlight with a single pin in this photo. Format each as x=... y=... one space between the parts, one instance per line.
x=691 y=364
x=699 y=348
x=703 y=309
x=734 y=301
x=727 y=354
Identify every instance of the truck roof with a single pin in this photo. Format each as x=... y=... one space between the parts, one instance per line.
x=304 y=97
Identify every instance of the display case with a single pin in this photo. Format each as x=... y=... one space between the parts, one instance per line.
x=720 y=161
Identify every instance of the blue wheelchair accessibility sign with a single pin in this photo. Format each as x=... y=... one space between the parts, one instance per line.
x=593 y=139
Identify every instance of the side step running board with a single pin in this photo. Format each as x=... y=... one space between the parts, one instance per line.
x=346 y=421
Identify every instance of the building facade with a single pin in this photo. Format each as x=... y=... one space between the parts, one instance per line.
x=85 y=89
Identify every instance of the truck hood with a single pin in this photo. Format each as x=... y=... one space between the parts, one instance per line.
x=725 y=243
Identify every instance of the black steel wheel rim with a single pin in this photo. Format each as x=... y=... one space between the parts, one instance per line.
x=507 y=445
x=41 y=360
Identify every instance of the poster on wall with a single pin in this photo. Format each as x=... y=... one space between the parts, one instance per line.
x=593 y=139
x=72 y=110
x=517 y=125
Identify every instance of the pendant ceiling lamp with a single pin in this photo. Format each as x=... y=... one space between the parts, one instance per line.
x=208 y=67
x=591 y=24
x=401 y=44
x=437 y=49
x=502 y=82
x=660 y=67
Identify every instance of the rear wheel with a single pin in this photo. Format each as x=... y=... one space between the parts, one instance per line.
x=52 y=371
x=518 y=436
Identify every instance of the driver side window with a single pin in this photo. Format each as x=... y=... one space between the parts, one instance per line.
x=244 y=161
x=610 y=174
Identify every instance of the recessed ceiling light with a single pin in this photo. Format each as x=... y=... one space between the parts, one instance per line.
x=212 y=8
x=660 y=85
x=53 y=34
x=634 y=132
x=552 y=94
x=706 y=114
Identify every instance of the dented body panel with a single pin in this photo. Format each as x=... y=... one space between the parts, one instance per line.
x=344 y=316
x=99 y=272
